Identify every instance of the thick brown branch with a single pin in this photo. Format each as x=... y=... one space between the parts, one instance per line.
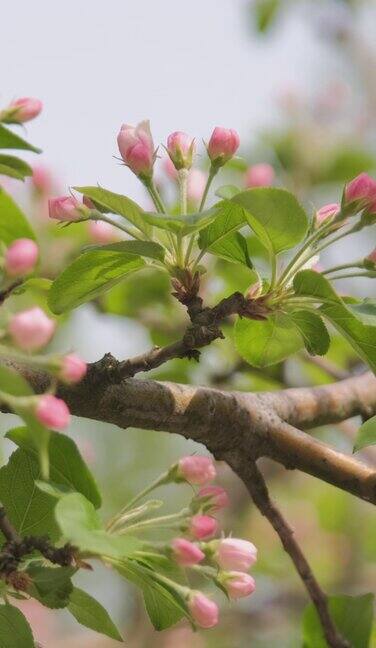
x=257 y=488
x=6 y=528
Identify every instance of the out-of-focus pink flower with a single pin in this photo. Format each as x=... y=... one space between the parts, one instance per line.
x=20 y=257
x=371 y=258
x=73 y=368
x=137 y=148
x=216 y=497
x=259 y=175
x=196 y=469
x=169 y=169
x=203 y=610
x=41 y=179
x=235 y=554
x=102 y=232
x=195 y=185
x=52 y=412
x=31 y=329
x=223 y=144
x=238 y=584
x=361 y=191
x=41 y=619
x=21 y=110
x=180 y=148
x=186 y=553
x=326 y=212
x=202 y=527
x=66 y=208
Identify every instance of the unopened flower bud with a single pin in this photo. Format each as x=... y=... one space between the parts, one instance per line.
x=180 y=148
x=214 y=498
x=203 y=610
x=325 y=213
x=21 y=110
x=202 y=527
x=196 y=469
x=259 y=175
x=73 y=368
x=67 y=209
x=31 y=329
x=20 y=257
x=222 y=146
x=137 y=148
x=237 y=584
x=360 y=192
x=186 y=553
x=52 y=412
x=235 y=554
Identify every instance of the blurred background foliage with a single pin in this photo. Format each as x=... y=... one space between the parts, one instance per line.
x=321 y=139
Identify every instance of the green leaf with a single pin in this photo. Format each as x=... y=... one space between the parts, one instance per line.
x=13 y=224
x=313 y=330
x=148 y=249
x=81 y=525
x=362 y=337
x=184 y=225
x=366 y=435
x=12 y=383
x=51 y=586
x=14 y=629
x=227 y=191
x=91 y=614
x=9 y=140
x=275 y=216
x=67 y=468
x=91 y=274
x=110 y=202
x=266 y=342
x=365 y=310
x=30 y=511
x=352 y=616
x=233 y=248
x=164 y=605
x=14 y=167
x=229 y=219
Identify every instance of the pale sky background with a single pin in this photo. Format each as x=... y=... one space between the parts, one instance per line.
x=185 y=65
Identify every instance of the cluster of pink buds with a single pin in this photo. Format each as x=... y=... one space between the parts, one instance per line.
x=228 y=560
x=21 y=110
x=20 y=257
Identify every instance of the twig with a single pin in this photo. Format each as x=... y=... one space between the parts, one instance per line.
x=7 y=529
x=329 y=367
x=257 y=488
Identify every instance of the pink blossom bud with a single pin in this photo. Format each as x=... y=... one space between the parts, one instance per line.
x=31 y=329
x=203 y=610
x=41 y=179
x=180 y=148
x=196 y=469
x=67 y=208
x=215 y=496
x=202 y=527
x=20 y=257
x=223 y=144
x=186 y=553
x=73 y=369
x=21 y=110
x=52 y=412
x=169 y=169
x=327 y=212
x=195 y=185
x=361 y=190
x=259 y=175
x=102 y=232
x=137 y=148
x=238 y=584
x=233 y=553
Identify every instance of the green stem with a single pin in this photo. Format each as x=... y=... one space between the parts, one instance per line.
x=344 y=266
x=212 y=173
x=154 y=193
x=162 y=479
x=120 y=226
x=356 y=274
x=189 y=250
x=165 y=521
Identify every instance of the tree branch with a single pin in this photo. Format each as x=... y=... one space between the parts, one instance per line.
x=257 y=488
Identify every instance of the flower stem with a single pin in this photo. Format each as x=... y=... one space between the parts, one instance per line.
x=212 y=173
x=120 y=226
